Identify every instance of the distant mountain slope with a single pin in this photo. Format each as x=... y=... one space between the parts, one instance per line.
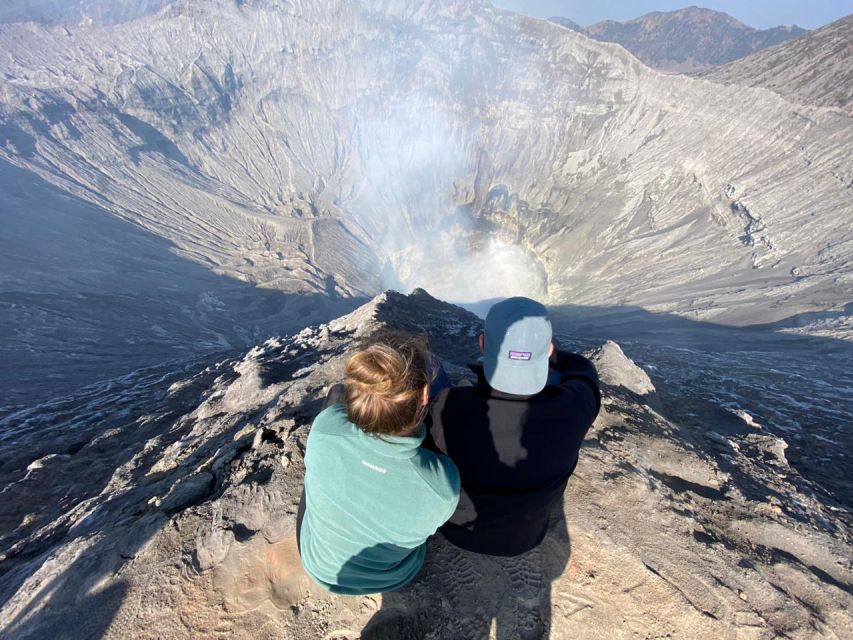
x=814 y=69
x=689 y=39
x=79 y=11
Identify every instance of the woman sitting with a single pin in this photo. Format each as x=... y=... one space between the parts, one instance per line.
x=372 y=494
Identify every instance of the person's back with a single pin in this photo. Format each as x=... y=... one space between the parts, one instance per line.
x=516 y=434
x=372 y=494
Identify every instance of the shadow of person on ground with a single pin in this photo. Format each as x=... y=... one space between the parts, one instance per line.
x=462 y=595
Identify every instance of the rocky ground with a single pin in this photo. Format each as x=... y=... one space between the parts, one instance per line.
x=163 y=507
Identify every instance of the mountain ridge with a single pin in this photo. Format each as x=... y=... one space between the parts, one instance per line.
x=685 y=40
x=811 y=69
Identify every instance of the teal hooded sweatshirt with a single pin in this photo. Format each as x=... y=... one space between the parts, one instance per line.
x=370 y=504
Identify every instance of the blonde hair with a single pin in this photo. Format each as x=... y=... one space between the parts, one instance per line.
x=384 y=384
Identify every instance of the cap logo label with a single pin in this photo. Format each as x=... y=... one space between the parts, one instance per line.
x=520 y=355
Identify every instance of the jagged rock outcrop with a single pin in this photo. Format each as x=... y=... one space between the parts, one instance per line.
x=173 y=515
x=618 y=370
x=350 y=146
x=816 y=68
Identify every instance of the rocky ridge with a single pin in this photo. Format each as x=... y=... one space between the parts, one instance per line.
x=171 y=515
x=689 y=39
x=813 y=69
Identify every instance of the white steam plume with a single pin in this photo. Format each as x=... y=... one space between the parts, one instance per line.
x=417 y=170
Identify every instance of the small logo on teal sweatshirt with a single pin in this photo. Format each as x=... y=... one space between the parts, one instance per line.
x=373 y=466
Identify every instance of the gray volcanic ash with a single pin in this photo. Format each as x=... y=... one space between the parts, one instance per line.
x=330 y=149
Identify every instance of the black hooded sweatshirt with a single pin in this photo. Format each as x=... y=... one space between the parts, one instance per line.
x=514 y=453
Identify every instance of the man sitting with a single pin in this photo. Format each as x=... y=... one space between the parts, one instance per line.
x=516 y=434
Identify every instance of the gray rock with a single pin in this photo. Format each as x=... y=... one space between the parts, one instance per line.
x=618 y=370
x=187 y=491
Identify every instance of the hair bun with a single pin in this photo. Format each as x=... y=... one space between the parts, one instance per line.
x=384 y=382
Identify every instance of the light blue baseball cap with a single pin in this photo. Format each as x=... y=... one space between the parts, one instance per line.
x=518 y=343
